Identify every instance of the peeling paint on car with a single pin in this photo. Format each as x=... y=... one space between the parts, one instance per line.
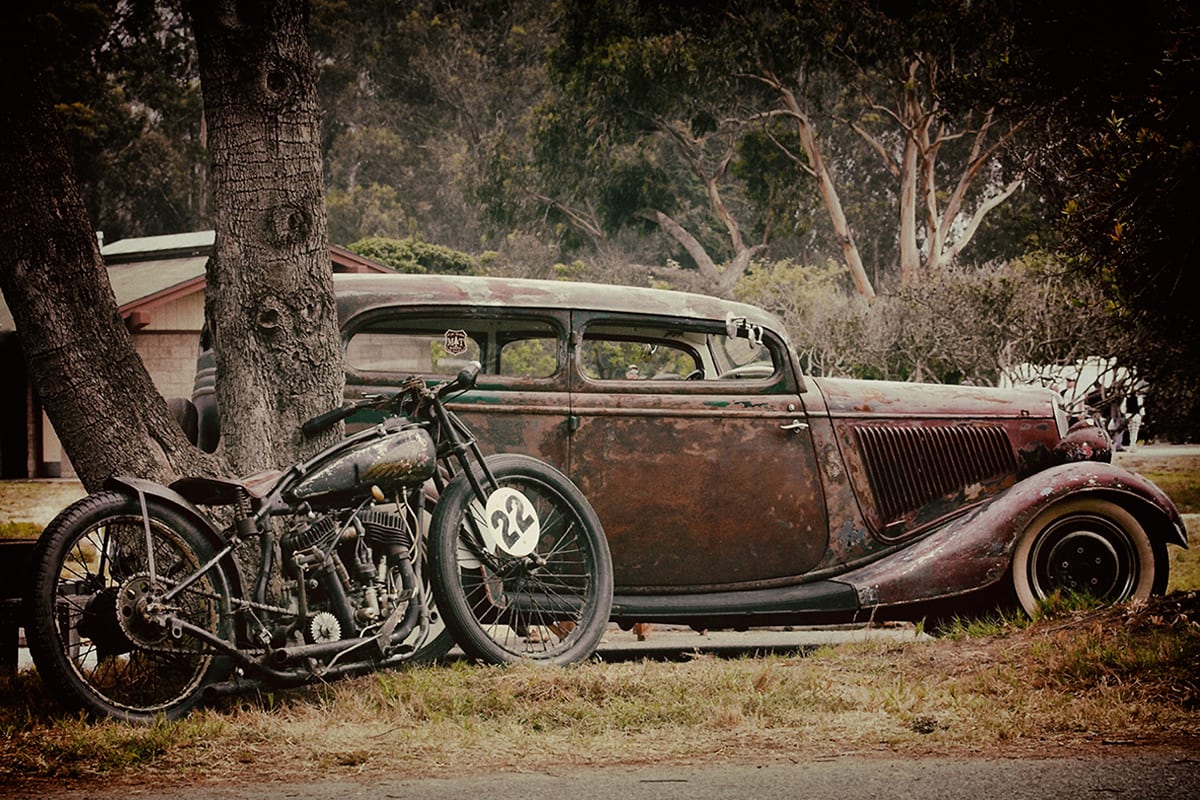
x=775 y=498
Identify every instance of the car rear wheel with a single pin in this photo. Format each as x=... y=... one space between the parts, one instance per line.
x=1087 y=546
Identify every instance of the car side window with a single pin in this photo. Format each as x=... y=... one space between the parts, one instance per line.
x=612 y=351
x=529 y=357
x=441 y=346
x=615 y=358
x=409 y=353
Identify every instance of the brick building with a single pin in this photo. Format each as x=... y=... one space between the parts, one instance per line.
x=158 y=282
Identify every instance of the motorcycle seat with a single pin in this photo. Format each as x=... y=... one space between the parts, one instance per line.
x=224 y=491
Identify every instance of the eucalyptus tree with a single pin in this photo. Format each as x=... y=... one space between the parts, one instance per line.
x=648 y=85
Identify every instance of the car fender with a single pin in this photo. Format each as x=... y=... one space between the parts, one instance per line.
x=973 y=550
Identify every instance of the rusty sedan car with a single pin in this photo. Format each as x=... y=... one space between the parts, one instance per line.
x=736 y=491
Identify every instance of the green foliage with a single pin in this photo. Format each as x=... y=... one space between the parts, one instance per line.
x=531 y=358
x=413 y=256
x=431 y=100
x=827 y=322
x=125 y=83
x=712 y=95
x=1118 y=111
x=960 y=326
x=613 y=360
x=372 y=211
x=467 y=123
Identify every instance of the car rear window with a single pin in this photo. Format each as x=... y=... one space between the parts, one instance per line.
x=441 y=346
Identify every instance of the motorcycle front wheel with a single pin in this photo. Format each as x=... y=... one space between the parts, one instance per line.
x=101 y=575
x=527 y=577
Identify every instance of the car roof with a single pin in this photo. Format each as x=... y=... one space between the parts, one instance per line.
x=360 y=292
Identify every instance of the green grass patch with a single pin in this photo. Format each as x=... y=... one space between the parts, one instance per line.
x=20 y=530
x=1185 y=564
x=997 y=623
x=1182 y=487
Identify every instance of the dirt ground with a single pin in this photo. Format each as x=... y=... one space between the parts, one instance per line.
x=968 y=656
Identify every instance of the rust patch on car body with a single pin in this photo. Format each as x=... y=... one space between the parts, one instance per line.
x=754 y=496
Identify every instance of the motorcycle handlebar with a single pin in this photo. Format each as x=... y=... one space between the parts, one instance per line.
x=465 y=380
x=323 y=421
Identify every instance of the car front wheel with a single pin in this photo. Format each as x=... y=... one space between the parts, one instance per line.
x=1087 y=546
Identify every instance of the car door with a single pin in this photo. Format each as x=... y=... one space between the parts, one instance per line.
x=693 y=448
x=520 y=402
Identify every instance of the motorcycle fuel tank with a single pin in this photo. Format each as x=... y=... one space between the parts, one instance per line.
x=396 y=460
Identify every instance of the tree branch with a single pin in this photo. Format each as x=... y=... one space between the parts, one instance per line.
x=978 y=216
x=708 y=269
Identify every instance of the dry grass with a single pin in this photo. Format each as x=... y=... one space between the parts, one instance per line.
x=1117 y=675
x=28 y=506
x=1065 y=684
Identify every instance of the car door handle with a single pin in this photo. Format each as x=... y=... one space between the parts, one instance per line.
x=794 y=425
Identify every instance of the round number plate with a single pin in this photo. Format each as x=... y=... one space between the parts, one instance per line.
x=512 y=522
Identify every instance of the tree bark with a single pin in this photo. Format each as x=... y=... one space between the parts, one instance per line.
x=825 y=186
x=829 y=197
x=270 y=305
x=94 y=388
x=916 y=174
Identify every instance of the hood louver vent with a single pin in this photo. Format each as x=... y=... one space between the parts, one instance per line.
x=909 y=467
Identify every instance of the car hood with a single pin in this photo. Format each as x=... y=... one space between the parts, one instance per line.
x=846 y=398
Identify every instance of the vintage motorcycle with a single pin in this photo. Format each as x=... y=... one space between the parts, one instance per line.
x=140 y=606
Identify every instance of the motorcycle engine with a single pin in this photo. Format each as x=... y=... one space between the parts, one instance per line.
x=341 y=573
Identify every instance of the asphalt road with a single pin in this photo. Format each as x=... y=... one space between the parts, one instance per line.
x=1169 y=775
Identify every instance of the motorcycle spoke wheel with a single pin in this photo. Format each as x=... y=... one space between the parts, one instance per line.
x=439 y=641
x=93 y=635
x=550 y=605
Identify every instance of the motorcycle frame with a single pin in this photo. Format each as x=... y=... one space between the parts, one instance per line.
x=454 y=445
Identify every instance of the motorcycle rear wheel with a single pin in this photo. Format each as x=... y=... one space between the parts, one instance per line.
x=550 y=606
x=90 y=634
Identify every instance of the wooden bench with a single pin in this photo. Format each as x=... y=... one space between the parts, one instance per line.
x=15 y=566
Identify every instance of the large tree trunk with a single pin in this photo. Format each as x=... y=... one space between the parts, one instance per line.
x=270 y=287
x=827 y=191
x=91 y=382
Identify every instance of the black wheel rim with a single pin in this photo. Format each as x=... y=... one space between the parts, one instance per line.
x=116 y=654
x=1084 y=554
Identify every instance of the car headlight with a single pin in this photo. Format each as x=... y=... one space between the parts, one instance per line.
x=1061 y=418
